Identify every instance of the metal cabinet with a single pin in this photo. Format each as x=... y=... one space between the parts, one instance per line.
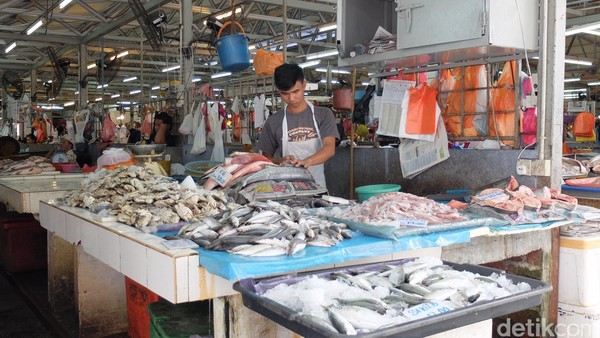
x=434 y=31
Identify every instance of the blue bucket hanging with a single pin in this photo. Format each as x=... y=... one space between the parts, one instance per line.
x=233 y=50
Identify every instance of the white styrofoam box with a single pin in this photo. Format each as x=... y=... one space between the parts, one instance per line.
x=578 y=273
x=578 y=322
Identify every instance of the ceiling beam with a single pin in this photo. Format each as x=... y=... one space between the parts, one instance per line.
x=311 y=6
x=582 y=20
x=280 y=20
x=150 y=6
x=37 y=14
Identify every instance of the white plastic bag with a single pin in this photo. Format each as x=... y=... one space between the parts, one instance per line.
x=218 y=154
x=197 y=116
x=199 y=145
x=186 y=127
x=113 y=156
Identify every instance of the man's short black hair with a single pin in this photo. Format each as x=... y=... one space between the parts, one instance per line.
x=164 y=117
x=287 y=75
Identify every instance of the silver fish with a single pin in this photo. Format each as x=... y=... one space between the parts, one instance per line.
x=440 y=294
x=414 y=288
x=341 y=324
x=373 y=304
x=296 y=245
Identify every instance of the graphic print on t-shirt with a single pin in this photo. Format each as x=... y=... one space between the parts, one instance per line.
x=301 y=134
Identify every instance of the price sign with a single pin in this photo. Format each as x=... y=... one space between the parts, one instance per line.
x=412 y=222
x=428 y=309
x=221 y=175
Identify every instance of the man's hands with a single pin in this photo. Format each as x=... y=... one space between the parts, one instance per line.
x=296 y=162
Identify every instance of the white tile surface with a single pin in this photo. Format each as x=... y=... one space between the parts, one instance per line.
x=161 y=276
x=109 y=248
x=194 y=278
x=181 y=278
x=73 y=228
x=134 y=261
x=89 y=239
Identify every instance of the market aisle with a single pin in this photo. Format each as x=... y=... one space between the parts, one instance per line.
x=24 y=308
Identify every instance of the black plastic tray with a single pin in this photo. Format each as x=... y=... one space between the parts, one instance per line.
x=252 y=289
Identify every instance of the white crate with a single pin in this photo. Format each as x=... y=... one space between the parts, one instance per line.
x=578 y=322
x=578 y=273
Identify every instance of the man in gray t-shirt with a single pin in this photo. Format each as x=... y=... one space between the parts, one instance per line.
x=311 y=131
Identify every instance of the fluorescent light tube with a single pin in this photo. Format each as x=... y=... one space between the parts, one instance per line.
x=597 y=83
x=575 y=90
x=322 y=54
x=153 y=96
x=155 y=88
x=64 y=4
x=114 y=96
x=91 y=65
x=196 y=79
x=98 y=99
x=34 y=27
x=309 y=63
x=122 y=54
x=68 y=104
x=10 y=47
x=578 y=62
x=573 y=79
x=221 y=74
x=130 y=79
x=338 y=71
x=168 y=69
x=102 y=86
x=328 y=28
x=133 y=92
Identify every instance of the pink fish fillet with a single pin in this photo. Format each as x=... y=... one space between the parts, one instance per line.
x=248 y=158
x=249 y=168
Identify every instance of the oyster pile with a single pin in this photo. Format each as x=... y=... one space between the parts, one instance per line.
x=141 y=198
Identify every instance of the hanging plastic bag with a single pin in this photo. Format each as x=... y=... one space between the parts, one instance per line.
x=502 y=121
x=197 y=117
x=39 y=132
x=218 y=153
x=108 y=129
x=475 y=101
x=265 y=62
x=199 y=145
x=186 y=127
x=430 y=137
x=584 y=124
x=421 y=110
x=146 y=128
x=528 y=126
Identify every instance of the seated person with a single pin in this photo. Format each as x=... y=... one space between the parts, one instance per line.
x=30 y=139
x=162 y=129
x=66 y=145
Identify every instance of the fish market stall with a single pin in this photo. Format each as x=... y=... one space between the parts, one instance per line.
x=148 y=228
x=24 y=193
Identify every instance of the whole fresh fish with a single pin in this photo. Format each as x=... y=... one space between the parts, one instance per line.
x=247 y=169
x=277 y=173
x=340 y=322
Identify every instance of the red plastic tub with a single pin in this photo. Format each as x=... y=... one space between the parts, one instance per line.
x=22 y=243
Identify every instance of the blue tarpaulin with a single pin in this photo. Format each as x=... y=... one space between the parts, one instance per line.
x=235 y=267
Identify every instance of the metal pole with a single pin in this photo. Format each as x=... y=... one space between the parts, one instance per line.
x=351 y=183
x=188 y=64
x=285 y=37
x=83 y=72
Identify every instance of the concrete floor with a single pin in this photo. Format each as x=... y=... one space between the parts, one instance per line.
x=24 y=307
